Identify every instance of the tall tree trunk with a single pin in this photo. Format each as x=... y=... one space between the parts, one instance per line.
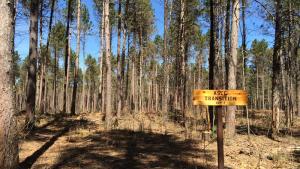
x=141 y=63
x=67 y=55
x=257 y=85
x=100 y=60
x=8 y=126
x=55 y=80
x=67 y=107
x=41 y=60
x=108 y=65
x=244 y=47
x=165 y=98
x=33 y=40
x=156 y=89
x=182 y=56
x=123 y=93
x=88 y=98
x=119 y=98
x=43 y=107
x=74 y=94
x=213 y=57
x=227 y=42
x=276 y=70
x=232 y=72
x=133 y=96
x=298 y=91
x=263 y=91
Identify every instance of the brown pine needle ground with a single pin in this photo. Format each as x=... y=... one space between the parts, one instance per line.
x=143 y=141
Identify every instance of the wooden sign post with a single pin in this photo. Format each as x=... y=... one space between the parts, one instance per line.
x=220 y=98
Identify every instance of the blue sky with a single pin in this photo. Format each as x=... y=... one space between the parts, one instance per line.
x=254 y=22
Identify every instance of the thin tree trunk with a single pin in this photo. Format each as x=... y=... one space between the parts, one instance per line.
x=8 y=126
x=55 y=80
x=100 y=59
x=244 y=47
x=156 y=90
x=257 y=87
x=88 y=98
x=227 y=42
x=68 y=74
x=141 y=62
x=41 y=60
x=182 y=56
x=119 y=98
x=263 y=92
x=132 y=97
x=165 y=98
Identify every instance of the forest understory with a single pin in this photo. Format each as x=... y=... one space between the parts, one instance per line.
x=144 y=141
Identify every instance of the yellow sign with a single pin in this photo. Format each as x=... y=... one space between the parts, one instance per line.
x=220 y=97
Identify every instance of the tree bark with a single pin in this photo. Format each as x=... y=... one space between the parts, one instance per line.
x=43 y=105
x=119 y=98
x=276 y=70
x=108 y=65
x=55 y=80
x=41 y=60
x=232 y=72
x=213 y=56
x=100 y=60
x=67 y=55
x=74 y=94
x=244 y=47
x=165 y=98
x=141 y=64
x=8 y=126
x=31 y=84
x=227 y=42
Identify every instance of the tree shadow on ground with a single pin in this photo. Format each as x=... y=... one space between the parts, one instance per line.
x=59 y=128
x=125 y=149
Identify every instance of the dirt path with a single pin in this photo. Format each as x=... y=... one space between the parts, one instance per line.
x=82 y=142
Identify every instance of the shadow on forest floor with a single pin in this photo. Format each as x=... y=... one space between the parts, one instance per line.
x=116 y=149
x=60 y=127
x=122 y=149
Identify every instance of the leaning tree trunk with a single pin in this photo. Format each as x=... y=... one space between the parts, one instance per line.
x=31 y=84
x=276 y=71
x=8 y=133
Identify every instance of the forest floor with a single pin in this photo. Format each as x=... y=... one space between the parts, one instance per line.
x=143 y=141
